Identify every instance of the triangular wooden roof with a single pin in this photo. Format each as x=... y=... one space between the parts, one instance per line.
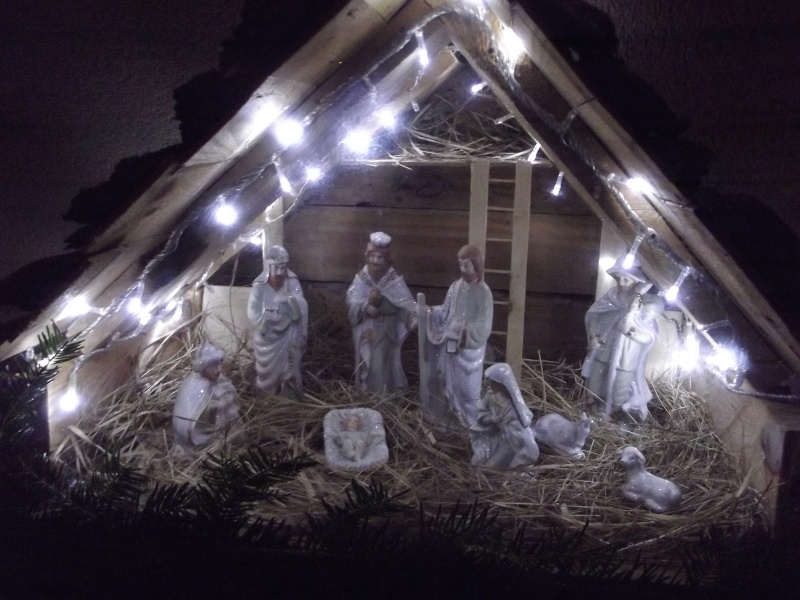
x=366 y=56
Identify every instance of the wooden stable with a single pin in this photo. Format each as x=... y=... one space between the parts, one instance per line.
x=539 y=248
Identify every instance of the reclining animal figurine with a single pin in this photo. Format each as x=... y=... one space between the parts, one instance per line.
x=657 y=494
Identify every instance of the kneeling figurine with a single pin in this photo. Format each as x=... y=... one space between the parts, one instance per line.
x=657 y=494
x=354 y=438
x=502 y=436
x=206 y=401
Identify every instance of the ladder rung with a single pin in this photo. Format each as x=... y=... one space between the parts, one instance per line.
x=499 y=333
x=505 y=240
x=501 y=302
x=500 y=271
x=499 y=209
x=501 y=180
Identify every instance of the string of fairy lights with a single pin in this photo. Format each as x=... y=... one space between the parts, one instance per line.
x=137 y=316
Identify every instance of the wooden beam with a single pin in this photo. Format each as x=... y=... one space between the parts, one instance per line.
x=519 y=267
x=479 y=203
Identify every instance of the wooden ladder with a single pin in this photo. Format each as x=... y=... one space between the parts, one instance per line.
x=480 y=213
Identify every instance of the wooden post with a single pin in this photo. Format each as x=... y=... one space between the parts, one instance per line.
x=519 y=267
x=273 y=227
x=479 y=203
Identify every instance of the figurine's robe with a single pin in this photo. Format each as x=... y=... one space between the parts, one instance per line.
x=280 y=321
x=602 y=320
x=378 y=337
x=626 y=383
x=202 y=407
x=502 y=437
x=457 y=333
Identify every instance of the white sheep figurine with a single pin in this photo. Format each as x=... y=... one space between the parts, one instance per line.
x=657 y=494
x=562 y=436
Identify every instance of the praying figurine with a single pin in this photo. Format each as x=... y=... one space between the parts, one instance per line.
x=206 y=401
x=455 y=344
x=502 y=436
x=279 y=314
x=602 y=321
x=354 y=438
x=382 y=311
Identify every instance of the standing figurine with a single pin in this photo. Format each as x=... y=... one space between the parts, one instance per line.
x=602 y=321
x=382 y=311
x=206 y=400
x=279 y=313
x=502 y=437
x=457 y=332
x=637 y=333
x=657 y=494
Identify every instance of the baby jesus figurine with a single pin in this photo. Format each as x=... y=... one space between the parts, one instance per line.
x=354 y=438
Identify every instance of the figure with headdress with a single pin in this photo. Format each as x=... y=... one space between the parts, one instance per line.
x=457 y=333
x=382 y=311
x=206 y=401
x=278 y=312
x=626 y=386
x=502 y=436
x=602 y=325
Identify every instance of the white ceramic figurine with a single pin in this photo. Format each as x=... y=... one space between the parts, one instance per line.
x=561 y=435
x=602 y=320
x=457 y=332
x=657 y=494
x=382 y=311
x=279 y=313
x=354 y=438
x=502 y=436
x=206 y=401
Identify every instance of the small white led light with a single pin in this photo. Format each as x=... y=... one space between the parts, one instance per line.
x=288 y=132
x=69 y=401
x=641 y=185
x=723 y=359
x=477 y=87
x=313 y=173
x=226 y=215
x=556 y=191
x=386 y=118
x=286 y=186
x=629 y=258
x=422 y=51
x=358 y=141
x=606 y=262
x=689 y=354
x=672 y=293
x=255 y=239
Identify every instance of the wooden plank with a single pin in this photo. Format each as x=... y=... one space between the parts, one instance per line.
x=519 y=267
x=443 y=185
x=668 y=203
x=562 y=249
x=478 y=203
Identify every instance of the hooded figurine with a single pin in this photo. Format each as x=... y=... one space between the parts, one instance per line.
x=206 y=400
x=602 y=325
x=502 y=437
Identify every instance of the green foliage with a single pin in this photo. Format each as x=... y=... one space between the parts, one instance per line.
x=23 y=384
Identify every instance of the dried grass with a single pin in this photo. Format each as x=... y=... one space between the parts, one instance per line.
x=432 y=466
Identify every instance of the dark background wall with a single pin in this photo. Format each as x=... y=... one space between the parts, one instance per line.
x=86 y=84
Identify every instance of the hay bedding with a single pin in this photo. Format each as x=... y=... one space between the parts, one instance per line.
x=433 y=467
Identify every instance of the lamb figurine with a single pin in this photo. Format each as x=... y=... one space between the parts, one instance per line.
x=562 y=436
x=657 y=494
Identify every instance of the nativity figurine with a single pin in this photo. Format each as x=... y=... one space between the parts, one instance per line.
x=602 y=321
x=627 y=387
x=657 y=494
x=278 y=312
x=456 y=334
x=206 y=400
x=354 y=438
x=562 y=436
x=382 y=311
x=502 y=437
